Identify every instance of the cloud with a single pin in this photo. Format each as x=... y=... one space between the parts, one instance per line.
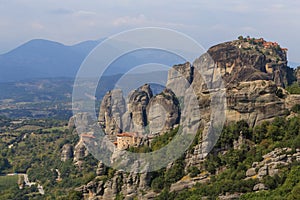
x=127 y=20
x=62 y=11
x=37 y=26
x=84 y=13
x=71 y=12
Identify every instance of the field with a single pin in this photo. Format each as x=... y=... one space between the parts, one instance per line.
x=8 y=182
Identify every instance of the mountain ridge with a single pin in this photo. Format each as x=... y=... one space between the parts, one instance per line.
x=41 y=58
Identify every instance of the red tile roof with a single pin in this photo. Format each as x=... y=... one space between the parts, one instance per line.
x=126 y=134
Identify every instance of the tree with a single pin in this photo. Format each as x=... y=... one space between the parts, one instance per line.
x=241 y=37
x=296 y=108
x=157 y=184
x=4 y=164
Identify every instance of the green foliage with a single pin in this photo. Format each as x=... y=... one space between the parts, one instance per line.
x=295 y=194
x=175 y=173
x=197 y=140
x=294 y=88
x=296 y=108
x=288 y=190
x=4 y=164
x=73 y=195
x=231 y=132
x=193 y=171
x=157 y=184
x=164 y=179
x=119 y=196
x=163 y=140
x=8 y=181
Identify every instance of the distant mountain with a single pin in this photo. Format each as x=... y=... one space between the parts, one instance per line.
x=42 y=58
x=47 y=59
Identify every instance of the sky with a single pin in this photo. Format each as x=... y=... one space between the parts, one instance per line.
x=209 y=22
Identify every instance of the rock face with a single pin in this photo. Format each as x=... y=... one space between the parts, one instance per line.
x=130 y=185
x=101 y=169
x=298 y=74
x=135 y=119
x=67 y=152
x=180 y=77
x=241 y=60
x=160 y=112
x=80 y=152
x=254 y=102
x=111 y=111
x=163 y=112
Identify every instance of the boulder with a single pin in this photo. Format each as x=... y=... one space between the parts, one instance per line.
x=260 y=186
x=250 y=172
x=263 y=171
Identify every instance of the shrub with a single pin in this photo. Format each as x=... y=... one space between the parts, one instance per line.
x=296 y=108
x=193 y=171
x=294 y=88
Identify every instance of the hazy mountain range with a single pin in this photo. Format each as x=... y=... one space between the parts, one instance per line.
x=47 y=59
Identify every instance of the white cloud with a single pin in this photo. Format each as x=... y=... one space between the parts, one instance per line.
x=127 y=20
x=85 y=13
x=37 y=26
x=61 y=11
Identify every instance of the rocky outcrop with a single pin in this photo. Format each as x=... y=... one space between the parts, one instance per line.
x=131 y=185
x=241 y=60
x=135 y=118
x=67 y=152
x=272 y=162
x=260 y=186
x=160 y=112
x=163 y=112
x=101 y=169
x=112 y=109
x=80 y=152
x=254 y=102
x=292 y=100
x=179 y=78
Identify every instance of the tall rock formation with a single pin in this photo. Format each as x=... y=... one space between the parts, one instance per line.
x=250 y=60
x=135 y=118
x=245 y=77
x=142 y=110
x=111 y=111
x=163 y=112
x=67 y=152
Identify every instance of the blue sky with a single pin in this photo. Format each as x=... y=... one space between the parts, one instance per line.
x=209 y=22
